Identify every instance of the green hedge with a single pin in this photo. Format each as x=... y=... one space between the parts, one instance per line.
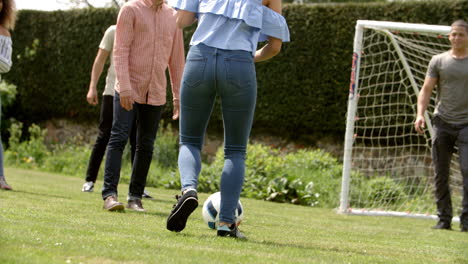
x=53 y=56
x=302 y=93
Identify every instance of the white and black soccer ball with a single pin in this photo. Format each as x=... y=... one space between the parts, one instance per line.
x=211 y=207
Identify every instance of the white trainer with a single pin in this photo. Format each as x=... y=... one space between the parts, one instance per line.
x=147 y=195
x=88 y=187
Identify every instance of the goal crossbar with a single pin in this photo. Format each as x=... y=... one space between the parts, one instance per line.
x=400 y=26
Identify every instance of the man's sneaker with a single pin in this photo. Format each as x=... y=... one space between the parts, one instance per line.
x=146 y=195
x=233 y=231
x=464 y=228
x=88 y=187
x=185 y=205
x=135 y=205
x=111 y=204
x=4 y=185
x=443 y=225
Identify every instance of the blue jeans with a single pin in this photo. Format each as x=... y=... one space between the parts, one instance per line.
x=211 y=72
x=443 y=142
x=147 y=123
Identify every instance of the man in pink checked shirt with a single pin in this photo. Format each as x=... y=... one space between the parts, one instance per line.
x=147 y=42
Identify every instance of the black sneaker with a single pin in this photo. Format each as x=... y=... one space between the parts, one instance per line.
x=233 y=231
x=185 y=205
x=443 y=225
x=464 y=228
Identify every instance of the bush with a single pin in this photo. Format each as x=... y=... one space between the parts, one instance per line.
x=69 y=159
x=166 y=147
x=385 y=191
x=7 y=93
x=321 y=171
x=306 y=177
x=29 y=153
x=381 y=192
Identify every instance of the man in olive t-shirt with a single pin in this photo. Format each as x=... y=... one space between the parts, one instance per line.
x=449 y=71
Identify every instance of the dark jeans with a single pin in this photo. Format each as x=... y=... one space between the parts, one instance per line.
x=147 y=117
x=443 y=142
x=99 y=148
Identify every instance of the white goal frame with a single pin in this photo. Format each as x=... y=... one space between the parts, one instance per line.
x=352 y=107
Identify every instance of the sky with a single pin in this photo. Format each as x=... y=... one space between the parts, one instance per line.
x=48 y=5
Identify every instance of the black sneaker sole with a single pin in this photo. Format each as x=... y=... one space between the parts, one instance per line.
x=223 y=233
x=177 y=220
x=234 y=234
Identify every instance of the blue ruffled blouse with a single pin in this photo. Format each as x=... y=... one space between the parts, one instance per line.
x=233 y=24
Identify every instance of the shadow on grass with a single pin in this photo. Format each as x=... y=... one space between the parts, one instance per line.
x=42 y=194
x=159 y=200
x=274 y=244
x=152 y=213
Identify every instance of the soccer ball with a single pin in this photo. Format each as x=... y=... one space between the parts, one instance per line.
x=210 y=210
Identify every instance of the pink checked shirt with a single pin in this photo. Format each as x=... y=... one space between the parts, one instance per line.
x=147 y=42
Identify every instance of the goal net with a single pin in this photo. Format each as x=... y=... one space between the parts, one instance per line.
x=387 y=167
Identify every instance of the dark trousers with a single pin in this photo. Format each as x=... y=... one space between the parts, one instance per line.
x=147 y=117
x=443 y=142
x=99 y=148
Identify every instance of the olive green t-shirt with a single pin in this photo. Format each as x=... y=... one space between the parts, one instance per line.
x=452 y=87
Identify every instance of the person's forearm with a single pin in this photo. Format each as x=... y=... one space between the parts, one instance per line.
x=177 y=63
x=95 y=74
x=98 y=67
x=425 y=95
x=423 y=101
x=185 y=18
x=271 y=49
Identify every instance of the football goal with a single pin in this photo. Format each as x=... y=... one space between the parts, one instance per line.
x=386 y=164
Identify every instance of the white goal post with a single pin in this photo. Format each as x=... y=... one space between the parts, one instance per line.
x=386 y=164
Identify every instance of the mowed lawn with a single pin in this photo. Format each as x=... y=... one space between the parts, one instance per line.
x=47 y=219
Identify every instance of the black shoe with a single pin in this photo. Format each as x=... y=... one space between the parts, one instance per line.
x=185 y=205
x=443 y=225
x=464 y=228
x=233 y=231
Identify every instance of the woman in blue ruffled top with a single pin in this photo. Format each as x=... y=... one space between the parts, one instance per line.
x=220 y=62
x=7 y=22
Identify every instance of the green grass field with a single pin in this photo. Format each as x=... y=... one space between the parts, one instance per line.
x=47 y=219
